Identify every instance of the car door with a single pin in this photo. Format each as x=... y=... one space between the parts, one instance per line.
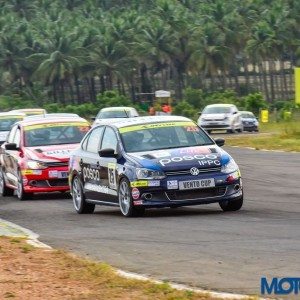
x=108 y=165
x=11 y=157
x=89 y=164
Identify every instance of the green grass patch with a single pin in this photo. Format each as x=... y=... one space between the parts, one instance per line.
x=274 y=136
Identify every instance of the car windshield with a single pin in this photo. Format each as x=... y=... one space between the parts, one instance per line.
x=159 y=136
x=7 y=122
x=248 y=115
x=113 y=114
x=54 y=133
x=216 y=110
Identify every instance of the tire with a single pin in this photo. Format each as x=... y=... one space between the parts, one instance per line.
x=4 y=190
x=230 y=131
x=208 y=131
x=240 y=130
x=232 y=205
x=125 y=201
x=80 y=205
x=20 y=189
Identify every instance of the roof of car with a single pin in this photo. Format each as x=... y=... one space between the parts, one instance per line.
x=25 y=110
x=12 y=114
x=117 y=108
x=146 y=120
x=33 y=121
x=49 y=116
x=221 y=105
x=246 y=112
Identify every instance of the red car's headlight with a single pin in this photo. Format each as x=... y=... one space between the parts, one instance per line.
x=36 y=165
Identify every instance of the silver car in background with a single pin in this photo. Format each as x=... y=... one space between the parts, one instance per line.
x=111 y=114
x=221 y=117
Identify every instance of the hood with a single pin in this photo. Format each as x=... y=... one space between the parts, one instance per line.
x=249 y=119
x=51 y=153
x=3 y=135
x=214 y=116
x=180 y=159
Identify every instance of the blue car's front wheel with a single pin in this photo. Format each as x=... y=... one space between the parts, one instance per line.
x=125 y=201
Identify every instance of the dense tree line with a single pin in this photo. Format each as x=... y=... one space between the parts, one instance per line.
x=68 y=51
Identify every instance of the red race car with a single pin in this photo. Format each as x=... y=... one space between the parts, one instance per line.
x=36 y=153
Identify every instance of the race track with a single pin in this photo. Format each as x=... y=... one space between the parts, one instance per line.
x=200 y=246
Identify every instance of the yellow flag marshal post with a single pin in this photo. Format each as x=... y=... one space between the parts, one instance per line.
x=297 y=85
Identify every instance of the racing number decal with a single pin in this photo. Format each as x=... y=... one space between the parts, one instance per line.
x=112 y=181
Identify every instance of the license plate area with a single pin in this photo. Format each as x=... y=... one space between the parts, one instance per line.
x=197 y=184
x=62 y=174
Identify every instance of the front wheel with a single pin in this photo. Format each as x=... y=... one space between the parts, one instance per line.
x=80 y=205
x=232 y=205
x=4 y=190
x=20 y=189
x=125 y=201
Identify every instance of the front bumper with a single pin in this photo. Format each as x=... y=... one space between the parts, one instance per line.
x=52 y=179
x=248 y=127
x=162 y=197
x=216 y=126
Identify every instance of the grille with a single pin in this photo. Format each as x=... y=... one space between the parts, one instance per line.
x=57 y=164
x=215 y=125
x=50 y=183
x=196 y=194
x=58 y=182
x=187 y=172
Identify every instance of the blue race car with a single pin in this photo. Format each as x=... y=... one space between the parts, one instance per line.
x=149 y=162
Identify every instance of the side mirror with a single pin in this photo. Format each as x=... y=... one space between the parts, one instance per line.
x=220 y=142
x=235 y=112
x=11 y=146
x=93 y=118
x=199 y=113
x=108 y=152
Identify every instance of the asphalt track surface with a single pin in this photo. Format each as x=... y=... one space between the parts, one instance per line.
x=199 y=246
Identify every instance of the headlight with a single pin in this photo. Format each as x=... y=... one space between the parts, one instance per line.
x=36 y=165
x=230 y=167
x=142 y=173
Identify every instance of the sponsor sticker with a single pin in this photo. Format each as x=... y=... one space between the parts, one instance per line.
x=153 y=183
x=100 y=189
x=135 y=193
x=192 y=129
x=58 y=152
x=90 y=174
x=53 y=174
x=155 y=125
x=207 y=158
x=60 y=124
x=138 y=202
x=140 y=183
x=172 y=184
x=27 y=172
x=37 y=172
x=112 y=181
x=161 y=154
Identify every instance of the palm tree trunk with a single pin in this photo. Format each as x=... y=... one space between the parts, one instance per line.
x=54 y=90
x=71 y=91
x=264 y=81
x=102 y=84
x=62 y=92
x=93 y=89
x=77 y=89
x=282 y=71
x=271 y=74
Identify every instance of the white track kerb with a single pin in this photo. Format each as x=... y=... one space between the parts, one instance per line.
x=10 y=229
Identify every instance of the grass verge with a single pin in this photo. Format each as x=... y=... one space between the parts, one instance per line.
x=32 y=273
x=275 y=136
